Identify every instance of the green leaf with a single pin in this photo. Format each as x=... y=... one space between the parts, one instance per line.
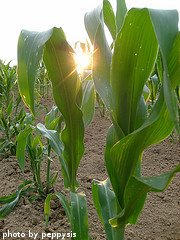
x=106 y=204
x=120 y=13
x=7 y=208
x=53 y=137
x=136 y=192
x=47 y=207
x=174 y=63
x=88 y=101
x=124 y=155
x=53 y=179
x=21 y=146
x=79 y=216
x=131 y=68
x=165 y=37
x=10 y=107
x=61 y=68
x=7 y=199
x=109 y=18
x=102 y=54
x=174 y=73
x=12 y=200
x=168 y=20
x=64 y=204
x=111 y=139
x=59 y=61
x=30 y=50
x=52 y=119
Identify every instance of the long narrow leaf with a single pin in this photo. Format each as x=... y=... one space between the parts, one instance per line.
x=79 y=217
x=109 y=18
x=102 y=54
x=65 y=204
x=12 y=200
x=47 y=207
x=30 y=50
x=88 y=101
x=58 y=58
x=136 y=192
x=126 y=153
x=120 y=13
x=131 y=68
x=21 y=146
x=60 y=64
x=53 y=137
x=167 y=19
x=106 y=205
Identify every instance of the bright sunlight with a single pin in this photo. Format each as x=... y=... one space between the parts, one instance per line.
x=82 y=57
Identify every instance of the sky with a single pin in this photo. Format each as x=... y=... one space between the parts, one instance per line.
x=41 y=15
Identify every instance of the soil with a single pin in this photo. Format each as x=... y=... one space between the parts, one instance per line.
x=159 y=220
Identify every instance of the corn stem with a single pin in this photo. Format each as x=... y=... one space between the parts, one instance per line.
x=119 y=233
x=48 y=170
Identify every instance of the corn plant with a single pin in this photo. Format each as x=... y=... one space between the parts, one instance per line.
x=75 y=101
x=30 y=140
x=139 y=37
x=35 y=143
x=43 y=85
x=119 y=77
x=13 y=117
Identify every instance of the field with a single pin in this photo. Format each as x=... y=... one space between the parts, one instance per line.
x=89 y=132
x=159 y=219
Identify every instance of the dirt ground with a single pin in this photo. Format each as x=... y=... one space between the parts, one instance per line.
x=160 y=219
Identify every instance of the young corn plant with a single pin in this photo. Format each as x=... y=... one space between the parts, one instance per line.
x=43 y=84
x=75 y=102
x=31 y=140
x=31 y=145
x=13 y=117
x=139 y=37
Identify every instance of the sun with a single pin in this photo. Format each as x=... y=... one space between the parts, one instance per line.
x=83 y=57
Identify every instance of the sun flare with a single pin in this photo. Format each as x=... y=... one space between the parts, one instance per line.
x=82 y=58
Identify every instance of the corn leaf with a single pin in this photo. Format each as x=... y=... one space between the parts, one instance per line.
x=30 y=50
x=10 y=108
x=136 y=193
x=52 y=119
x=21 y=146
x=126 y=153
x=88 y=101
x=59 y=61
x=109 y=18
x=102 y=54
x=53 y=137
x=64 y=204
x=47 y=207
x=121 y=11
x=174 y=73
x=131 y=67
x=7 y=208
x=7 y=199
x=106 y=204
x=167 y=19
x=12 y=200
x=174 y=63
x=79 y=216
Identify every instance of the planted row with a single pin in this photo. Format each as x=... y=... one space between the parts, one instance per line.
x=144 y=51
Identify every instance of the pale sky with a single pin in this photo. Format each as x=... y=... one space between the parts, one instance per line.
x=41 y=15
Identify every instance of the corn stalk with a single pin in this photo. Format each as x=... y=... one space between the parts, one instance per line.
x=72 y=101
x=119 y=77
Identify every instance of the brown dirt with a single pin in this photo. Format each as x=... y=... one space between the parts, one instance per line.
x=160 y=219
